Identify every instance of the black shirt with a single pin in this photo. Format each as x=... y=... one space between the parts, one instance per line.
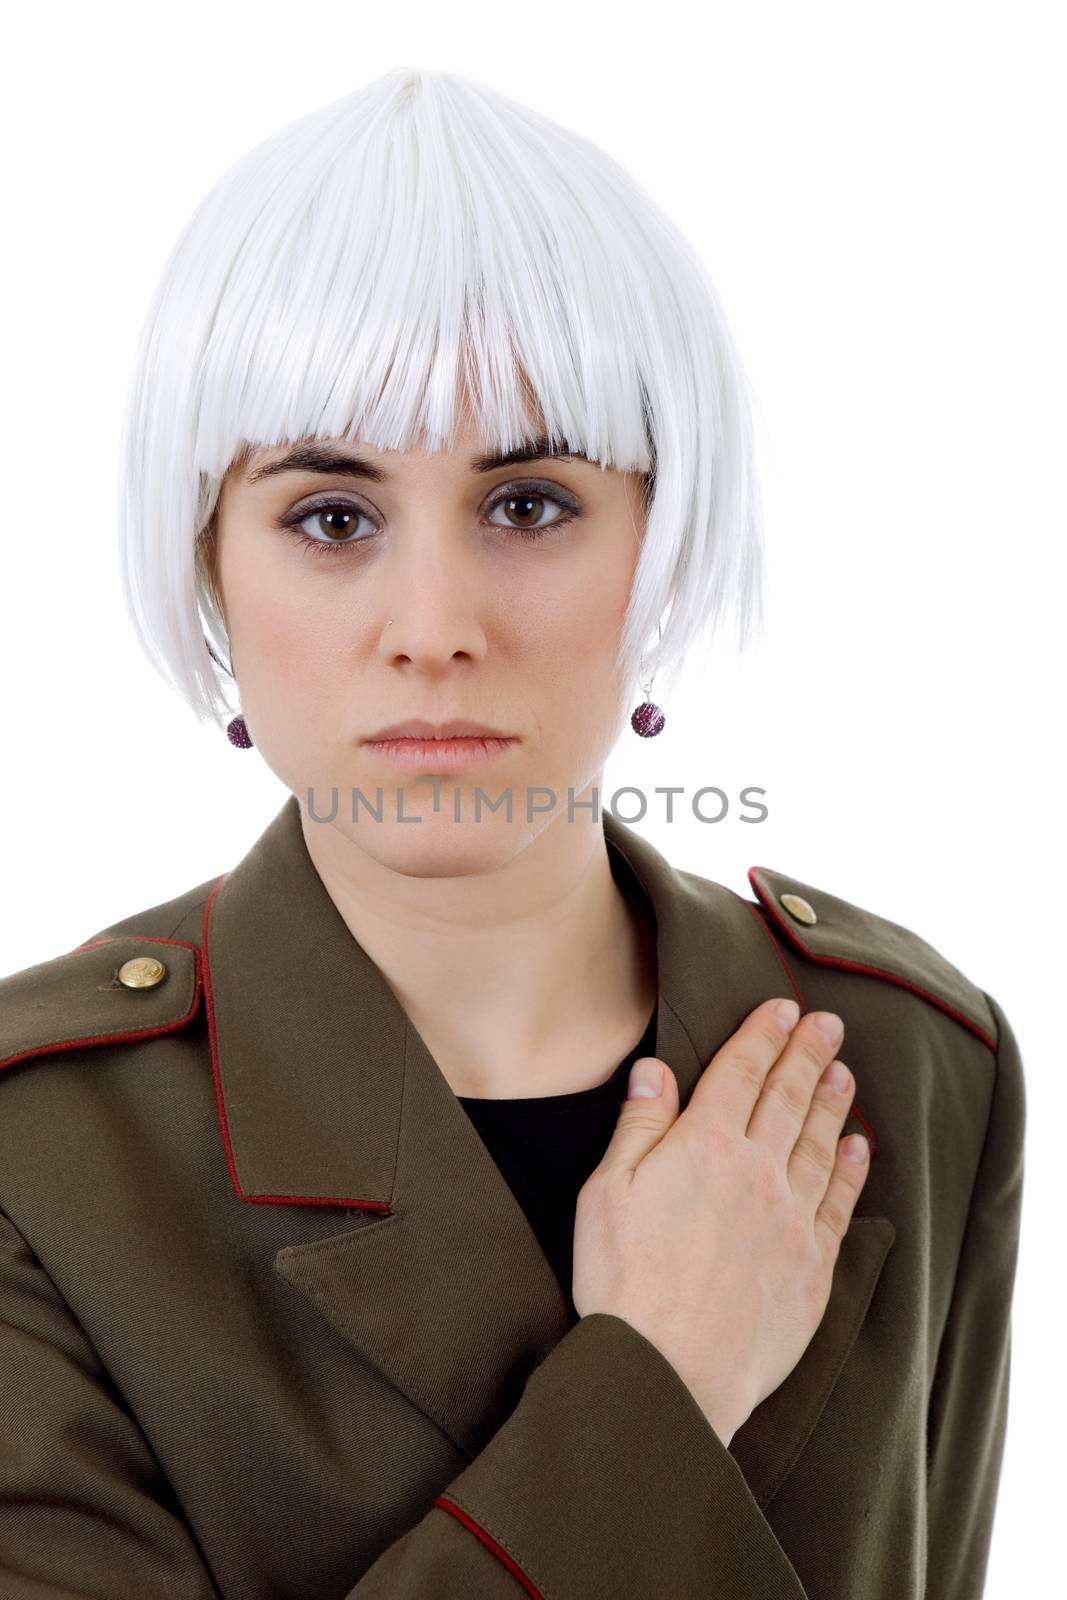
x=547 y=1145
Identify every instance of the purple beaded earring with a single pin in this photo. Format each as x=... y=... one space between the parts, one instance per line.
x=647 y=719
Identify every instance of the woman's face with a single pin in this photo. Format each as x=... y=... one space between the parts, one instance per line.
x=432 y=587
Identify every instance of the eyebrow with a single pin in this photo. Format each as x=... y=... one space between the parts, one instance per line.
x=328 y=459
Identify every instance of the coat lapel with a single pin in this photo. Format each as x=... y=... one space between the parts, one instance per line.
x=327 y=1096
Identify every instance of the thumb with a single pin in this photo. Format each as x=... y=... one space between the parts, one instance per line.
x=650 y=1107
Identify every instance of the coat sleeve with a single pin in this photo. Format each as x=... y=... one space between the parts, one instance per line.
x=968 y=1408
x=581 y=1494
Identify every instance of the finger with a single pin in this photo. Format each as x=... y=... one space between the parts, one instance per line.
x=643 y=1119
x=733 y=1080
x=779 y=1113
x=812 y=1158
x=835 y=1213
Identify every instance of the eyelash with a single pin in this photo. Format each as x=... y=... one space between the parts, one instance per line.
x=291 y=522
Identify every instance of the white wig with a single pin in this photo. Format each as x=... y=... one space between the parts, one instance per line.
x=346 y=275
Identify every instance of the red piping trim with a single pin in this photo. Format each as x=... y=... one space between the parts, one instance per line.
x=874 y=972
x=124 y=1034
x=490 y=1544
x=224 y=1127
x=854 y=1109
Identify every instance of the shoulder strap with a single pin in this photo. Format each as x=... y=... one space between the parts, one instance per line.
x=103 y=992
x=834 y=933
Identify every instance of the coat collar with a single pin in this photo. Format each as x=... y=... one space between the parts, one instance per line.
x=310 y=1044
x=327 y=1096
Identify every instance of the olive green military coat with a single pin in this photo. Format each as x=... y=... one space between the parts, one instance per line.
x=274 y=1327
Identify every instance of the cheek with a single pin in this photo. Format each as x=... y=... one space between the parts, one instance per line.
x=568 y=662
x=285 y=633
x=580 y=632
x=293 y=660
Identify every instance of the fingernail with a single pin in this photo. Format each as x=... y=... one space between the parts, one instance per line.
x=856 y=1147
x=646 y=1080
x=836 y=1075
x=830 y=1026
x=787 y=1012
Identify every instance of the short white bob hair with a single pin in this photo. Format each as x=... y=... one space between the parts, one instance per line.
x=332 y=282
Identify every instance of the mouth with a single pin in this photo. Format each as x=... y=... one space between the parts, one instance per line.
x=415 y=728
x=440 y=754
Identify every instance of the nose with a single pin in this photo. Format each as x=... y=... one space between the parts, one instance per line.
x=432 y=604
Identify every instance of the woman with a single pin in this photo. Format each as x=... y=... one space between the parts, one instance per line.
x=337 y=1259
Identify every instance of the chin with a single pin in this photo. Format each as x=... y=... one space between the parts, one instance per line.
x=436 y=846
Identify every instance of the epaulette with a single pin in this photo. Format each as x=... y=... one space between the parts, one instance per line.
x=834 y=933
x=103 y=992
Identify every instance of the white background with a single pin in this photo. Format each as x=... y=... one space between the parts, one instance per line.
x=879 y=195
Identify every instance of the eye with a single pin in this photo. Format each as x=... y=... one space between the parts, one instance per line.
x=336 y=516
x=532 y=499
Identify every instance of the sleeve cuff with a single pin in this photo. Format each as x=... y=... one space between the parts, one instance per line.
x=608 y=1479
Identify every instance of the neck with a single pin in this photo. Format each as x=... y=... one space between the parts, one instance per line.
x=533 y=977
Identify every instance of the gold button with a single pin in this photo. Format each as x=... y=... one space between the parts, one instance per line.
x=143 y=972
x=799 y=908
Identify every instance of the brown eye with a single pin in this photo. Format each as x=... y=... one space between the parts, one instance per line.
x=526 y=509
x=525 y=512
x=334 y=524
x=326 y=529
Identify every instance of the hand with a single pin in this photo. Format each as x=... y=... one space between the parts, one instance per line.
x=715 y=1232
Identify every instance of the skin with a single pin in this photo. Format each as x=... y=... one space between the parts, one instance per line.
x=715 y=1231
x=486 y=929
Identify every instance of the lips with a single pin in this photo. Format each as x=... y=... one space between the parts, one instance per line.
x=456 y=729
x=441 y=753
